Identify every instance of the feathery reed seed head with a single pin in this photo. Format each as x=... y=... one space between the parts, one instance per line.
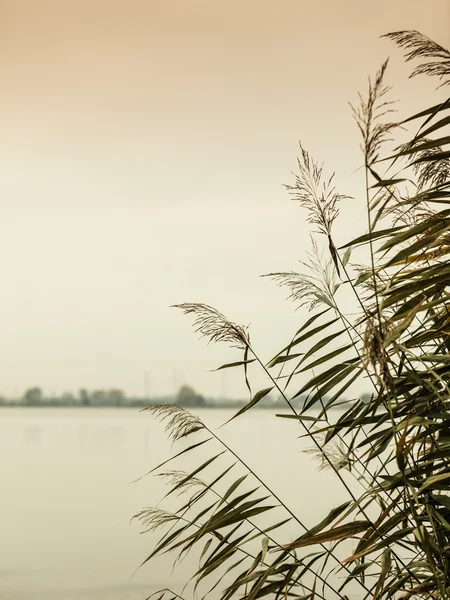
x=419 y=46
x=212 y=324
x=316 y=193
x=331 y=454
x=370 y=114
x=313 y=288
x=181 y=478
x=180 y=422
x=153 y=518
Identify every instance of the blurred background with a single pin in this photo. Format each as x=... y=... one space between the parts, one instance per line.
x=143 y=153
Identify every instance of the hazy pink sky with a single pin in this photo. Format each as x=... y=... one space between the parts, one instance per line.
x=144 y=146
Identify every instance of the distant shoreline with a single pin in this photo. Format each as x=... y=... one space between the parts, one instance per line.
x=235 y=405
x=230 y=406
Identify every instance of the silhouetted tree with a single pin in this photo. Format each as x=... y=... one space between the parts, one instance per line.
x=188 y=397
x=115 y=396
x=67 y=398
x=85 y=399
x=108 y=397
x=98 y=397
x=32 y=396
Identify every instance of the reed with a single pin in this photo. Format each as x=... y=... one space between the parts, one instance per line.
x=396 y=441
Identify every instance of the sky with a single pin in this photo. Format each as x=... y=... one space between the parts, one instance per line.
x=143 y=153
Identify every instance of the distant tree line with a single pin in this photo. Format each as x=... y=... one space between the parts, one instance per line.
x=34 y=396
x=186 y=396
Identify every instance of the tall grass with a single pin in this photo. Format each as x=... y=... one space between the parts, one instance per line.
x=391 y=538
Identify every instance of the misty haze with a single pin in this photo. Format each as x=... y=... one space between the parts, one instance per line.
x=145 y=147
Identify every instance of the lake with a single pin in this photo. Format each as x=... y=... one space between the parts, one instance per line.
x=68 y=497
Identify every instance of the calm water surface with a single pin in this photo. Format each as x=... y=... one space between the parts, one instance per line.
x=67 y=496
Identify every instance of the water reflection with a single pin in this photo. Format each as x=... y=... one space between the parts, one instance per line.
x=68 y=500
x=33 y=436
